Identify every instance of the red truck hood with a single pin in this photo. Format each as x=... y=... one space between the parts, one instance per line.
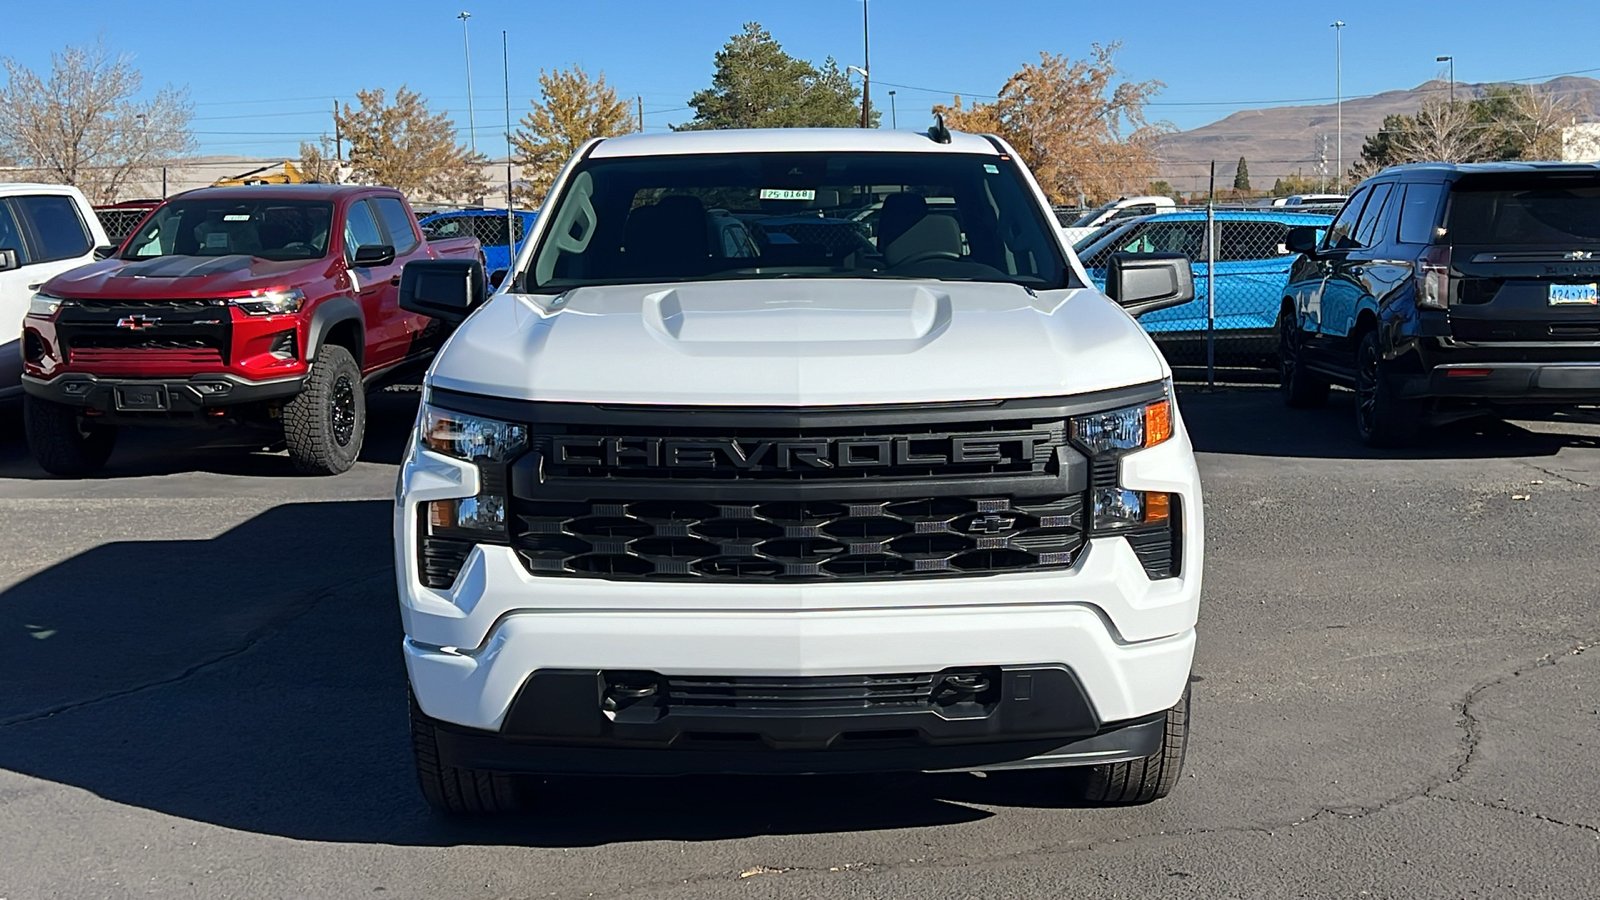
x=170 y=277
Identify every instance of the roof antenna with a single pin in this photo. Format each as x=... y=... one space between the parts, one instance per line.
x=939 y=133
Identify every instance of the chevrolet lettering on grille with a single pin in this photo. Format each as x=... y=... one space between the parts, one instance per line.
x=790 y=455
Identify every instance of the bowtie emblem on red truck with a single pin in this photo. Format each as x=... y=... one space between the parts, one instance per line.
x=138 y=323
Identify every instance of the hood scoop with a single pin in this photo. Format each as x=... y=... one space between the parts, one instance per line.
x=731 y=319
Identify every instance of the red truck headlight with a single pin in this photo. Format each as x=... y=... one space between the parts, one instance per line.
x=271 y=303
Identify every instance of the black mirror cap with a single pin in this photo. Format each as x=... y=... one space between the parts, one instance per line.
x=105 y=251
x=374 y=255
x=1302 y=239
x=1145 y=282
x=444 y=289
x=9 y=259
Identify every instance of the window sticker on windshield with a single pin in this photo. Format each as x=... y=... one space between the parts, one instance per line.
x=787 y=194
x=236 y=217
x=991 y=168
x=217 y=240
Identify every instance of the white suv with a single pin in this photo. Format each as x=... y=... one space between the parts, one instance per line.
x=45 y=229
x=830 y=501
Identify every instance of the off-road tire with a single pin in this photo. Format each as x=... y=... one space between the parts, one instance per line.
x=452 y=790
x=1300 y=388
x=1382 y=418
x=1140 y=780
x=63 y=441
x=324 y=424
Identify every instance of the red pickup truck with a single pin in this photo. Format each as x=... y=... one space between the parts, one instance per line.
x=269 y=306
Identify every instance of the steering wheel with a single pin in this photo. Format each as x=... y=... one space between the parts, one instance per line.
x=929 y=256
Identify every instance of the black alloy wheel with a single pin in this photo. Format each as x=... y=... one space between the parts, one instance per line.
x=343 y=411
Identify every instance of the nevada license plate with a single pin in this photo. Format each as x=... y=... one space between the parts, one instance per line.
x=1574 y=295
x=142 y=398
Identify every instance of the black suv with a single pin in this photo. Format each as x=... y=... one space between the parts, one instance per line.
x=1447 y=291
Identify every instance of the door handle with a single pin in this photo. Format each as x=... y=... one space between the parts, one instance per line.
x=394 y=280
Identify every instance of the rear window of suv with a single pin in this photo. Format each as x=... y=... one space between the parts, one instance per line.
x=1525 y=209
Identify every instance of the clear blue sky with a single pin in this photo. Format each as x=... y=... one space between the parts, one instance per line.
x=263 y=75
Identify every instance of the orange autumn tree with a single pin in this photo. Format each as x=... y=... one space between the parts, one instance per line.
x=1080 y=128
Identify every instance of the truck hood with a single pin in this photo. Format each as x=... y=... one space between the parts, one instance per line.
x=796 y=343
x=183 y=276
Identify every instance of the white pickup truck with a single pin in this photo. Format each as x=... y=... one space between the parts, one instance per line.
x=45 y=229
x=833 y=499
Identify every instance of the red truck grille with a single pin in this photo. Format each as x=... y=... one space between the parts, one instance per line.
x=142 y=358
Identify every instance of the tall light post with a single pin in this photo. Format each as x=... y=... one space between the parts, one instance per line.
x=466 y=47
x=1452 y=61
x=866 y=68
x=894 y=118
x=1338 y=93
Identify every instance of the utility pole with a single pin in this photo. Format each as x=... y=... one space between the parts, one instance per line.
x=466 y=47
x=1452 y=61
x=1338 y=92
x=641 y=112
x=894 y=118
x=511 y=215
x=338 y=139
x=866 y=70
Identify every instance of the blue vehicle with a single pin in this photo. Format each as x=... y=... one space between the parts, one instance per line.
x=487 y=225
x=1252 y=268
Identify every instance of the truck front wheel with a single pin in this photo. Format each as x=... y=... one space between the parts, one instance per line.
x=64 y=442
x=1140 y=780
x=324 y=424
x=451 y=789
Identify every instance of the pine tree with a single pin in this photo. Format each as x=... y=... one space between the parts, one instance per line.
x=758 y=85
x=1241 y=177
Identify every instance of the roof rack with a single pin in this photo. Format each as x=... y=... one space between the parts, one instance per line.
x=939 y=133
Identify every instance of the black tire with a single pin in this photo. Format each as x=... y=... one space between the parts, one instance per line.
x=452 y=790
x=1382 y=419
x=1140 y=780
x=63 y=441
x=1301 y=388
x=324 y=424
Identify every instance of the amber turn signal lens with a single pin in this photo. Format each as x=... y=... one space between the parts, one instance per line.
x=1157 y=507
x=442 y=513
x=1157 y=422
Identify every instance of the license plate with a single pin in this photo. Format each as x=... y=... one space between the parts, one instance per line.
x=1574 y=295
x=142 y=398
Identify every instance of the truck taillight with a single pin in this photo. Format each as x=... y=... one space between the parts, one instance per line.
x=1433 y=278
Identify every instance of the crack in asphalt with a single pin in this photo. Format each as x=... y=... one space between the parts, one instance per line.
x=1567 y=478
x=291 y=615
x=1527 y=813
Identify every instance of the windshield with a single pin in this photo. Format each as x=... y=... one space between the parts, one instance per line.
x=1525 y=209
x=1093 y=215
x=783 y=215
x=264 y=228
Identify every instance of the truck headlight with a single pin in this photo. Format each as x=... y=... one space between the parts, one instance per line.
x=44 y=306
x=1107 y=437
x=271 y=303
x=491 y=445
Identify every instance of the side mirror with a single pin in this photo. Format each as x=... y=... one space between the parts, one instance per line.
x=1302 y=239
x=444 y=289
x=9 y=260
x=104 y=251
x=370 y=256
x=498 y=277
x=1145 y=282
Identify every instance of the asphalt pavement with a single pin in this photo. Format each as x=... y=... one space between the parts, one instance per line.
x=204 y=697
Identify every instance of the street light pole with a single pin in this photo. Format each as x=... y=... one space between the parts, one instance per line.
x=894 y=119
x=466 y=47
x=1338 y=93
x=866 y=68
x=1452 y=61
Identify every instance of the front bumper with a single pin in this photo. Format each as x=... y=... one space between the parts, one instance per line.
x=184 y=395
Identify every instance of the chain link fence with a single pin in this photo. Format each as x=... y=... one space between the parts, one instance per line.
x=501 y=232
x=1239 y=257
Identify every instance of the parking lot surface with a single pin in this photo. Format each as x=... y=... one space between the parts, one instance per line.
x=205 y=698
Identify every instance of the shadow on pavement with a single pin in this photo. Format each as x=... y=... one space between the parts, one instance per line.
x=224 y=450
x=254 y=681
x=1252 y=421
